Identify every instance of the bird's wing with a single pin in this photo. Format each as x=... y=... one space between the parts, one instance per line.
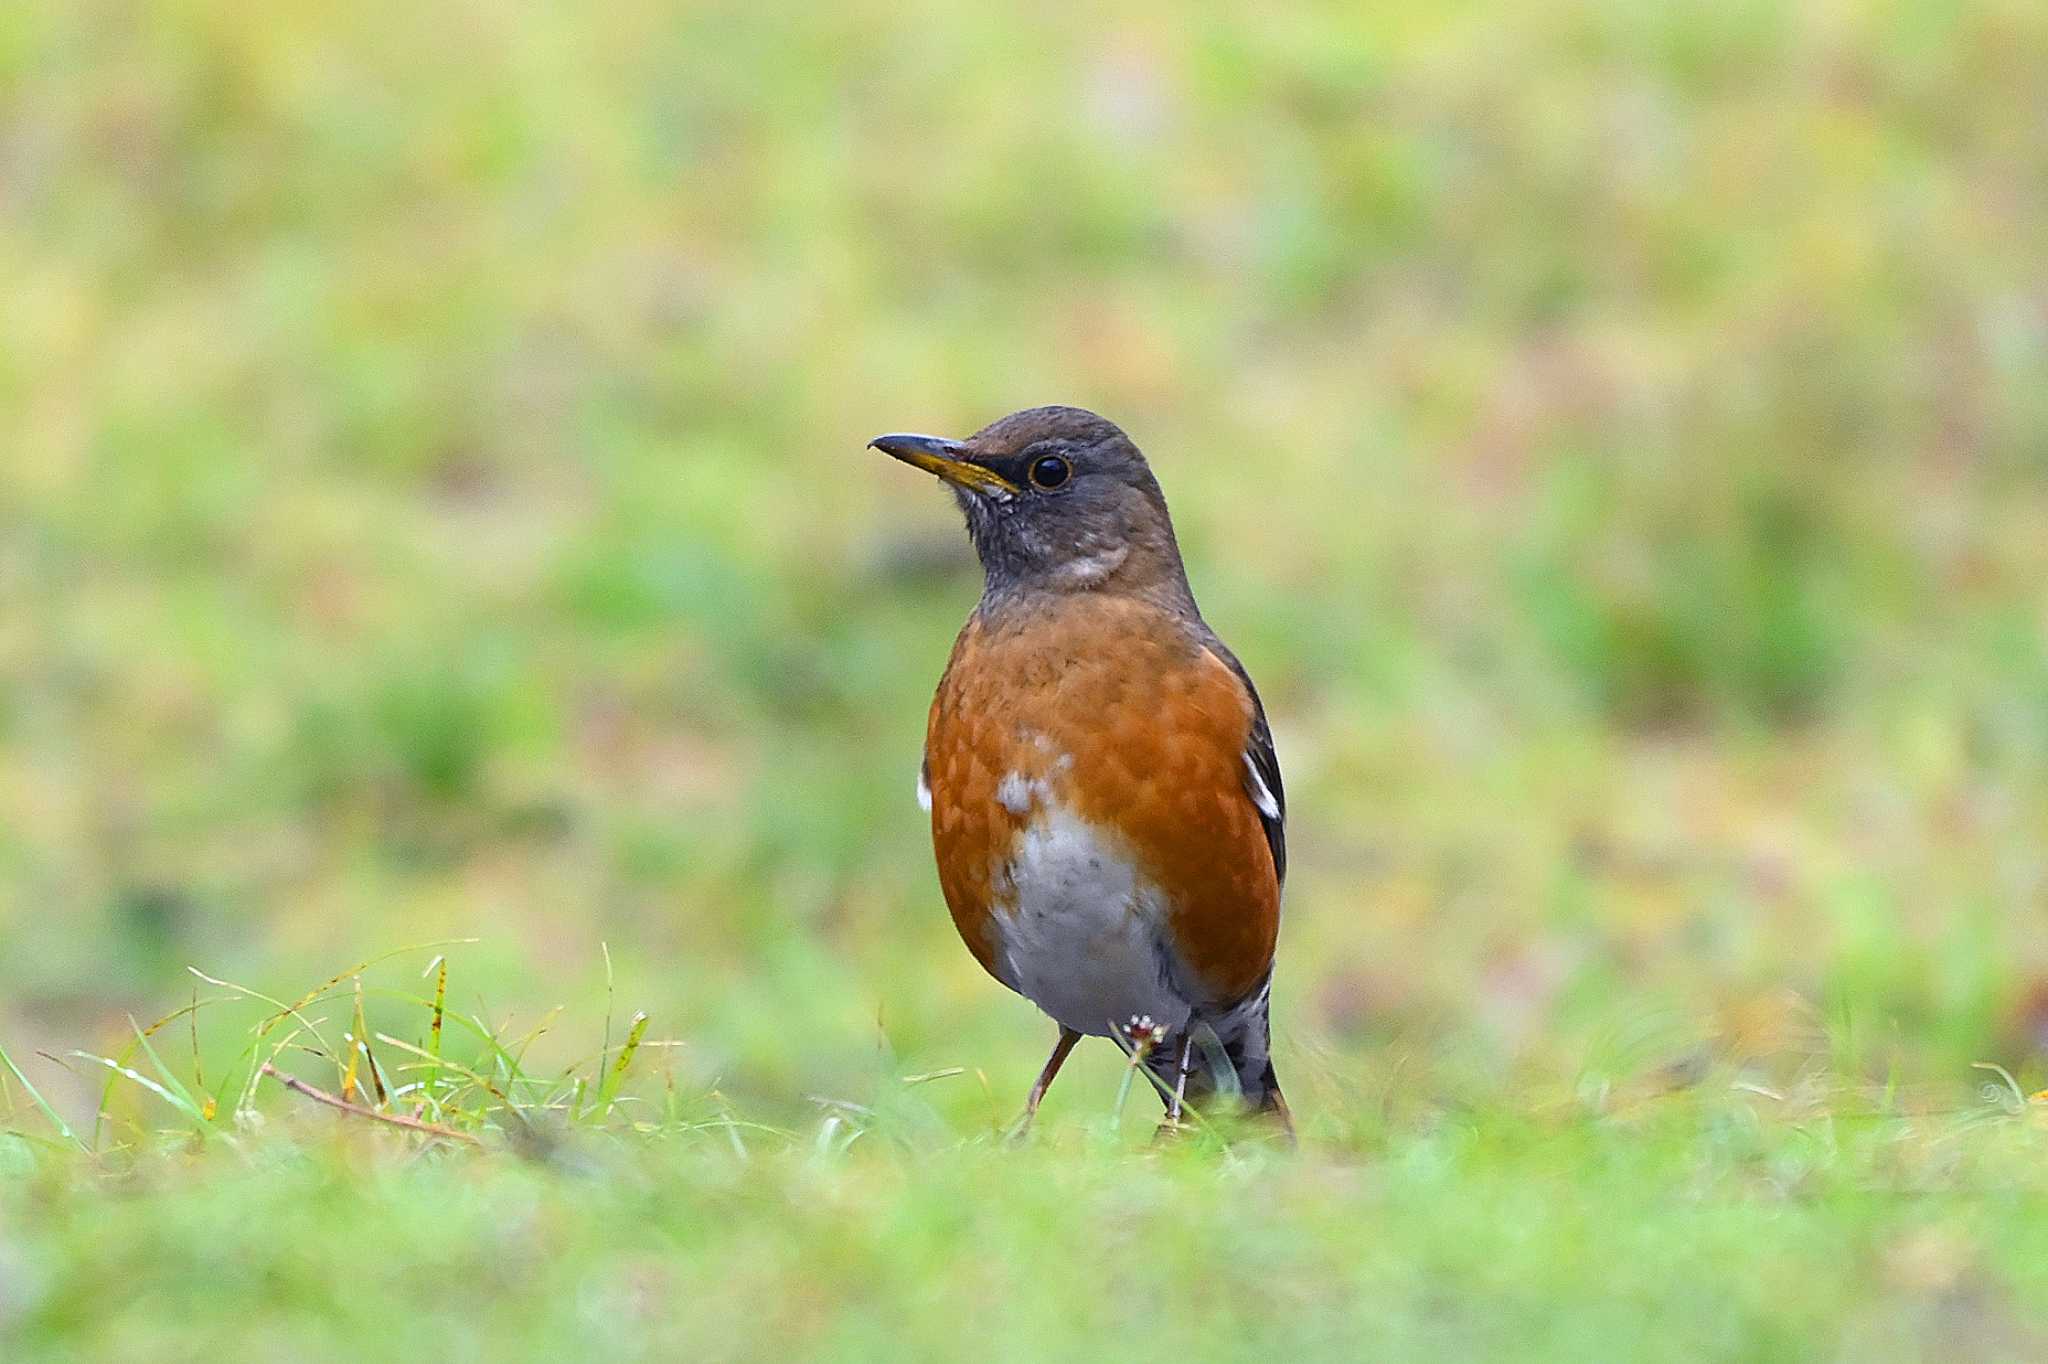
x=1261 y=766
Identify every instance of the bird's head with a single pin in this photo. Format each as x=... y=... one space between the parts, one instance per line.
x=1057 y=499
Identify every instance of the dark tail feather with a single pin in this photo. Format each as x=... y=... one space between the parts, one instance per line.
x=1246 y=1038
x=1265 y=1096
x=1255 y=1077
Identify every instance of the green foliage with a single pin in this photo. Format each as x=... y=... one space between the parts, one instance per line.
x=1734 y=610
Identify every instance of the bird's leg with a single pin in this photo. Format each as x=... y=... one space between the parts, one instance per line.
x=1068 y=1037
x=1180 y=1083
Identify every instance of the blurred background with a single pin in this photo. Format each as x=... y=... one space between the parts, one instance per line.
x=433 y=505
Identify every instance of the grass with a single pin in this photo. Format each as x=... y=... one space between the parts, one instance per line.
x=335 y=1188
x=432 y=507
x=1709 y=1229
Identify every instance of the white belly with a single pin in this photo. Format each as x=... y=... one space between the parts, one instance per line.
x=1078 y=928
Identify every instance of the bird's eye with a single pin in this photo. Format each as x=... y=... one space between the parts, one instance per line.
x=1049 y=473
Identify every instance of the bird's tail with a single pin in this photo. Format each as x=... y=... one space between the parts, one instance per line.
x=1232 y=1050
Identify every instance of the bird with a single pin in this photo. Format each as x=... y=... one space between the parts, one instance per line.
x=1106 y=807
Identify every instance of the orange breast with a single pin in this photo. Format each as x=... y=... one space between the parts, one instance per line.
x=1112 y=709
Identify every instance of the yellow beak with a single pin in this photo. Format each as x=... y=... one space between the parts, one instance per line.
x=946 y=458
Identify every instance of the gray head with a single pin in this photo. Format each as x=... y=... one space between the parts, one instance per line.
x=1057 y=499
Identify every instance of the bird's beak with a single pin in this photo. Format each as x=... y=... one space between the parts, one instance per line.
x=946 y=458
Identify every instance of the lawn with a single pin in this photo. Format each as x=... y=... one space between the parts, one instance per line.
x=442 y=1195
x=435 y=530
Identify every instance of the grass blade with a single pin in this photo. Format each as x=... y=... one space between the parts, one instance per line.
x=608 y=1088
x=432 y=1079
x=183 y=1105
x=356 y=970
x=36 y=1097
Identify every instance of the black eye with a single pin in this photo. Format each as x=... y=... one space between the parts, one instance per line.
x=1048 y=473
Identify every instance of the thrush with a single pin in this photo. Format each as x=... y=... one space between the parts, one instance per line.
x=1106 y=807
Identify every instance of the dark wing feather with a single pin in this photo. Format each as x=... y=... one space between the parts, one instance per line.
x=1262 y=766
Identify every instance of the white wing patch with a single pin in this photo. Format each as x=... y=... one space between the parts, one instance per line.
x=1262 y=795
x=924 y=791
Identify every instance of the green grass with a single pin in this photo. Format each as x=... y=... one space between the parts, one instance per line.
x=1707 y=1231
x=443 y=1192
x=432 y=507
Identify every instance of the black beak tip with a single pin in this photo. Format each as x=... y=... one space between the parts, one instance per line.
x=908 y=443
x=952 y=460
